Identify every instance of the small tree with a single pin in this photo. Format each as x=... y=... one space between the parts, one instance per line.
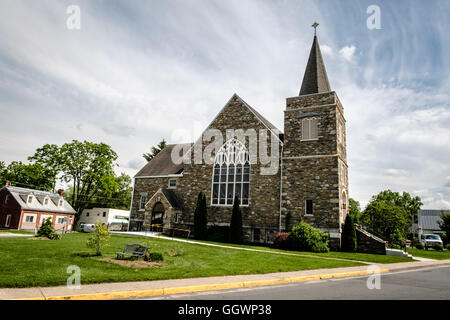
x=349 y=241
x=200 y=218
x=99 y=238
x=46 y=230
x=445 y=225
x=236 y=223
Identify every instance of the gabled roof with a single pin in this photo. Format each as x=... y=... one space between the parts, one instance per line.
x=429 y=219
x=21 y=195
x=173 y=199
x=162 y=164
x=315 y=79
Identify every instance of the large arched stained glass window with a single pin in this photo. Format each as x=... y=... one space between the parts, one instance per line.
x=231 y=176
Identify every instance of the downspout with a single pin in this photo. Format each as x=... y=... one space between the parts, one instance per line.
x=281 y=185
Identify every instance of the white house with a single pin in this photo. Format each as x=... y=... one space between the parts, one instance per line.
x=115 y=219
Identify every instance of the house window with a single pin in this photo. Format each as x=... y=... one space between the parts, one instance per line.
x=6 y=199
x=87 y=214
x=60 y=203
x=309 y=207
x=62 y=220
x=309 y=129
x=172 y=183
x=29 y=218
x=30 y=199
x=70 y=221
x=231 y=175
x=104 y=214
x=8 y=220
x=142 y=203
x=45 y=201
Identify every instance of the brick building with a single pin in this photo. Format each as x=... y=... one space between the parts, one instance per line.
x=309 y=181
x=27 y=209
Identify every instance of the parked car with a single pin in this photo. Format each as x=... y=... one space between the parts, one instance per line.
x=84 y=227
x=428 y=240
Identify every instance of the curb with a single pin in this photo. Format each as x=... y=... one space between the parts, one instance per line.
x=208 y=287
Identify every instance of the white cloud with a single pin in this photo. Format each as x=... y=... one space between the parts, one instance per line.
x=348 y=53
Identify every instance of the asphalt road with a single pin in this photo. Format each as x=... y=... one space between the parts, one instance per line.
x=423 y=284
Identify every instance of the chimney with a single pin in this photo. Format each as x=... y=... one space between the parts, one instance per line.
x=61 y=192
x=7 y=183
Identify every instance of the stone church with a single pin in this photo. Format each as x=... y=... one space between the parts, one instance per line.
x=310 y=182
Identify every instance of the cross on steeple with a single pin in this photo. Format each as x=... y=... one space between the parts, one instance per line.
x=315 y=25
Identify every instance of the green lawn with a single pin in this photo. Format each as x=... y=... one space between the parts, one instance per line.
x=430 y=254
x=16 y=231
x=375 y=258
x=28 y=262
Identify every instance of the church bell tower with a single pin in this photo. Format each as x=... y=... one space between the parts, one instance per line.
x=314 y=163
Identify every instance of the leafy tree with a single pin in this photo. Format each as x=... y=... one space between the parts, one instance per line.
x=2 y=173
x=99 y=238
x=90 y=168
x=46 y=230
x=155 y=150
x=349 y=240
x=354 y=209
x=236 y=235
x=28 y=175
x=445 y=225
x=116 y=194
x=387 y=220
x=405 y=200
x=200 y=218
x=49 y=157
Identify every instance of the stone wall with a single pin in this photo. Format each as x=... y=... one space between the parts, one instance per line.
x=367 y=243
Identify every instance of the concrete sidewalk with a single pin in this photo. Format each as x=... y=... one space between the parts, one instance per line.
x=165 y=287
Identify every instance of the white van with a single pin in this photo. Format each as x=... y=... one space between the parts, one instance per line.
x=84 y=227
x=428 y=240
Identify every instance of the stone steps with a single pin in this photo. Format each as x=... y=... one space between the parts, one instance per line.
x=398 y=253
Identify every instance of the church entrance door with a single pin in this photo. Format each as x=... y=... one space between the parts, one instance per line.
x=158 y=214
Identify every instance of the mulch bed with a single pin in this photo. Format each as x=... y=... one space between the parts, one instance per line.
x=133 y=263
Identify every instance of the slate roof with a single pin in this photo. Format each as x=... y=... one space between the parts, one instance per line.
x=162 y=164
x=173 y=199
x=428 y=219
x=21 y=195
x=315 y=79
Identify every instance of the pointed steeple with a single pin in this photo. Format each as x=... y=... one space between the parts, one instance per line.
x=315 y=79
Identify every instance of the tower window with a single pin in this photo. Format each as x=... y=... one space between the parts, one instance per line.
x=309 y=207
x=309 y=129
x=231 y=174
x=172 y=183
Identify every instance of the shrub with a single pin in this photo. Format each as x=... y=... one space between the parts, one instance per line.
x=448 y=246
x=349 y=235
x=153 y=256
x=46 y=230
x=99 y=238
x=438 y=247
x=419 y=246
x=200 y=218
x=236 y=223
x=281 y=240
x=307 y=238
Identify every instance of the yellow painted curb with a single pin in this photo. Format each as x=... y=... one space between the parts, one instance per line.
x=209 y=287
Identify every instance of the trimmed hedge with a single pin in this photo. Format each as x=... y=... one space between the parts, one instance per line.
x=307 y=238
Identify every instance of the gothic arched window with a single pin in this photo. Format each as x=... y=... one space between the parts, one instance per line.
x=231 y=174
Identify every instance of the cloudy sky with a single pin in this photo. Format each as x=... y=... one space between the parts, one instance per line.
x=140 y=71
